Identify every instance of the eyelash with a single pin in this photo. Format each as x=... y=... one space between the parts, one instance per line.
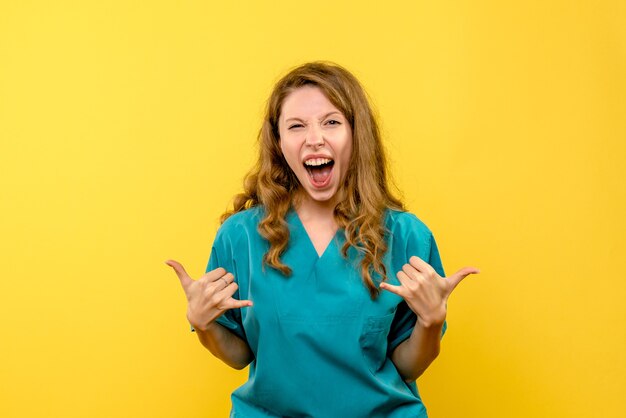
x=332 y=120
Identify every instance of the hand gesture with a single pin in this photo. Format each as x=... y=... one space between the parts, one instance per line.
x=209 y=296
x=424 y=291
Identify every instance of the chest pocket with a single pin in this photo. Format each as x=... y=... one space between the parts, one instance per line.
x=373 y=340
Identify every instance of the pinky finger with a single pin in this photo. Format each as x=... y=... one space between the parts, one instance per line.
x=234 y=304
x=393 y=289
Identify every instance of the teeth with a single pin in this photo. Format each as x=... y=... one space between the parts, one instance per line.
x=317 y=161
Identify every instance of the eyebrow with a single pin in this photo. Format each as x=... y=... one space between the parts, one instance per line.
x=323 y=117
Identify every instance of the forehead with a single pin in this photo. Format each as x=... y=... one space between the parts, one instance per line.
x=306 y=101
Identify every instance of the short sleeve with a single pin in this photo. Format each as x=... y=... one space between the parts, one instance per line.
x=424 y=246
x=222 y=256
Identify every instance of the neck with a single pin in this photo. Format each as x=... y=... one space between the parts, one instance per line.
x=309 y=209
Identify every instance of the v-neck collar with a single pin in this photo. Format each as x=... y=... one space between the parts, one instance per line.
x=297 y=222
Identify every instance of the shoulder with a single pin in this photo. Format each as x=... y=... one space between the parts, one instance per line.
x=244 y=218
x=405 y=223
x=240 y=224
x=409 y=236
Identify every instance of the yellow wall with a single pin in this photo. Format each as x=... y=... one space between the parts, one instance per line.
x=126 y=127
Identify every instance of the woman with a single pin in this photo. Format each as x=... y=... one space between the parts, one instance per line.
x=311 y=242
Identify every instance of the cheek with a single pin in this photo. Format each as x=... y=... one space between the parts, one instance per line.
x=284 y=148
x=347 y=149
x=290 y=154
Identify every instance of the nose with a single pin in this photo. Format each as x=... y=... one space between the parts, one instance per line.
x=314 y=137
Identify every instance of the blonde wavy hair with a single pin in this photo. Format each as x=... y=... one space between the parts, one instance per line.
x=365 y=193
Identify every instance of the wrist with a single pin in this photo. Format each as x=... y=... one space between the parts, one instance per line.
x=198 y=325
x=205 y=329
x=433 y=321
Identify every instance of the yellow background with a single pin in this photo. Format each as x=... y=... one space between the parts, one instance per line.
x=126 y=127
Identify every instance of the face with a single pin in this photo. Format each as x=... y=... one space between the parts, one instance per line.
x=316 y=140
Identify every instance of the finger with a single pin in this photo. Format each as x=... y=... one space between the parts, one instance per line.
x=422 y=266
x=411 y=272
x=234 y=303
x=227 y=291
x=214 y=274
x=184 y=278
x=456 y=278
x=398 y=290
x=226 y=279
x=405 y=279
x=220 y=283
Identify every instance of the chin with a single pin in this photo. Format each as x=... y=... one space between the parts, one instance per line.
x=325 y=196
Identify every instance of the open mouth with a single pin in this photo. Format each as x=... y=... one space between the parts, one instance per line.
x=320 y=170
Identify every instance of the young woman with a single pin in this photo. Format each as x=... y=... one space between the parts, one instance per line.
x=293 y=283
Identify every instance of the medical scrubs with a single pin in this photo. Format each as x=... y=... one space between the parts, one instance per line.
x=321 y=345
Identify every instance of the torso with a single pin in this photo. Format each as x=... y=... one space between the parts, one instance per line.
x=318 y=328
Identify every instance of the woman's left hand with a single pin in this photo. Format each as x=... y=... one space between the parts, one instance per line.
x=425 y=291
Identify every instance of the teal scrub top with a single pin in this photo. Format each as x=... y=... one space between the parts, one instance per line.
x=321 y=345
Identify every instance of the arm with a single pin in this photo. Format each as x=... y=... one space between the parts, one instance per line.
x=416 y=353
x=426 y=294
x=208 y=298
x=226 y=346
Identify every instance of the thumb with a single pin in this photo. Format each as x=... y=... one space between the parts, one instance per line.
x=184 y=278
x=456 y=278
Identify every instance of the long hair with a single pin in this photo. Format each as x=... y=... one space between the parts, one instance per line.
x=366 y=194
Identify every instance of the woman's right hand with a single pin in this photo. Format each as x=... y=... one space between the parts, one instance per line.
x=209 y=296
